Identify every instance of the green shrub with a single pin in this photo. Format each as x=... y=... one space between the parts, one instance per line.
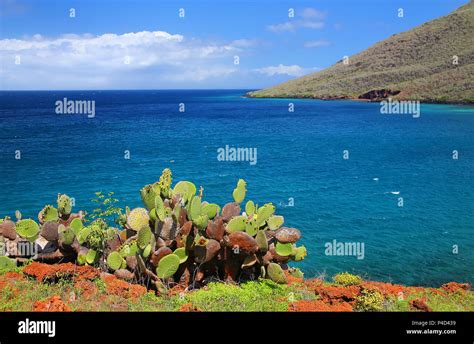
x=347 y=279
x=369 y=301
x=259 y=296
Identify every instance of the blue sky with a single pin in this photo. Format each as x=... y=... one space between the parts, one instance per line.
x=119 y=44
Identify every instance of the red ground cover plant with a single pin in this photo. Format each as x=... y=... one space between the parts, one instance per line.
x=52 y=304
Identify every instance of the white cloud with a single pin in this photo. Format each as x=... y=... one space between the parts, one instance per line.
x=313 y=13
x=287 y=26
x=156 y=59
x=309 y=18
x=293 y=70
x=316 y=44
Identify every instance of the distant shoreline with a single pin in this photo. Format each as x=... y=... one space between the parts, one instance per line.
x=248 y=95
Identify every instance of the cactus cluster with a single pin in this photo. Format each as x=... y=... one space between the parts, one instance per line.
x=49 y=239
x=175 y=238
x=183 y=239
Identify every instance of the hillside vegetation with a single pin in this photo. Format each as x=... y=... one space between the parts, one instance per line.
x=416 y=64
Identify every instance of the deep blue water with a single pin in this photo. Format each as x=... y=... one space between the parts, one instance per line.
x=299 y=155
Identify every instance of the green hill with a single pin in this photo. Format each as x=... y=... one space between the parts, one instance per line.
x=416 y=65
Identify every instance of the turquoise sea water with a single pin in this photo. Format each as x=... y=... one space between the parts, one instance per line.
x=299 y=156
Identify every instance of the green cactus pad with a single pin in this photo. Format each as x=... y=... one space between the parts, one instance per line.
x=148 y=194
x=114 y=261
x=27 y=229
x=201 y=221
x=251 y=227
x=83 y=234
x=239 y=192
x=186 y=189
x=262 y=241
x=165 y=182
x=195 y=208
x=66 y=235
x=284 y=250
x=250 y=208
x=211 y=210
x=264 y=213
x=275 y=221
x=181 y=253
x=91 y=256
x=64 y=204
x=146 y=251
x=125 y=251
x=276 y=274
x=133 y=246
x=300 y=253
x=76 y=225
x=81 y=259
x=168 y=266
x=49 y=213
x=153 y=216
x=236 y=224
x=144 y=237
x=160 y=208
x=138 y=219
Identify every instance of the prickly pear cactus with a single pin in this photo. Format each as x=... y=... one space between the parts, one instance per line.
x=64 y=204
x=178 y=237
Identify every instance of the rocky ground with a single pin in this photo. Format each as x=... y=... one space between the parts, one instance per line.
x=68 y=287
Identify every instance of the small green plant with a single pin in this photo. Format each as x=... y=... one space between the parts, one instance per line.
x=106 y=207
x=369 y=301
x=347 y=279
x=257 y=296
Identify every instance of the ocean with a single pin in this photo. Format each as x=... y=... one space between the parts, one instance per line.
x=340 y=171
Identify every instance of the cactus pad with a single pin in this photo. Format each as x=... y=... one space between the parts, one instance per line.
x=284 y=250
x=300 y=253
x=276 y=274
x=64 y=204
x=27 y=229
x=274 y=222
x=138 y=219
x=144 y=237
x=186 y=189
x=236 y=224
x=114 y=261
x=48 y=213
x=168 y=266
x=181 y=253
x=76 y=225
x=239 y=192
